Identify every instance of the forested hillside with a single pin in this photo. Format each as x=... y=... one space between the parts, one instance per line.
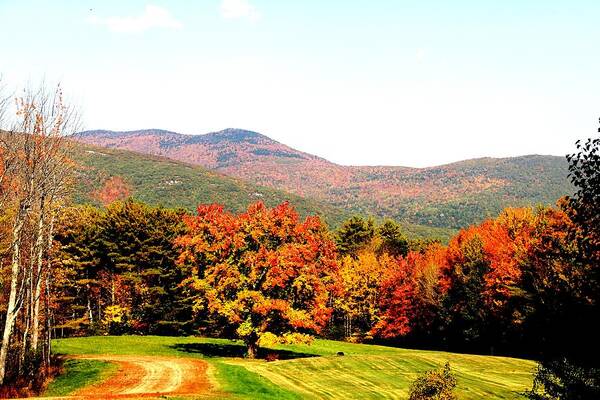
x=450 y=196
x=160 y=181
x=174 y=184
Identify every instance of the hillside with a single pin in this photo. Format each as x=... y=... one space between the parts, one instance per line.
x=451 y=196
x=158 y=180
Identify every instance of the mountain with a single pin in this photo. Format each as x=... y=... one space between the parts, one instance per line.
x=449 y=196
x=158 y=180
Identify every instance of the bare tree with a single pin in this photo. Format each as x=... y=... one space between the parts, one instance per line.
x=37 y=169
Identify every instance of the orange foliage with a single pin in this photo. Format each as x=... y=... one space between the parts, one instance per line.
x=412 y=292
x=504 y=249
x=114 y=188
x=262 y=271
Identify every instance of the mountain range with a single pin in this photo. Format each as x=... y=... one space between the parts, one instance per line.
x=447 y=196
x=161 y=181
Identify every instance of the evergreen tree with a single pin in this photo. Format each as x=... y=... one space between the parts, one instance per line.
x=355 y=234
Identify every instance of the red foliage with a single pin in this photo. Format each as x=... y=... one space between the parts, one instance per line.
x=410 y=295
x=519 y=241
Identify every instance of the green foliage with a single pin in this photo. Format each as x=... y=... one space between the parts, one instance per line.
x=584 y=167
x=450 y=196
x=434 y=385
x=570 y=368
x=137 y=243
x=468 y=192
x=393 y=240
x=354 y=234
x=172 y=184
x=463 y=306
x=118 y=269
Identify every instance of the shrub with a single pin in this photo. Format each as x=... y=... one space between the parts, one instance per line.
x=563 y=380
x=434 y=385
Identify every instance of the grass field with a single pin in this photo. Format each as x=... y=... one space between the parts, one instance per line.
x=315 y=371
x=79 y=373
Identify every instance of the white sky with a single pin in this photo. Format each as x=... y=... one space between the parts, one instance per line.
x=413 y=83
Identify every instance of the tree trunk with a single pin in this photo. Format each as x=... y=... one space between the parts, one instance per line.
x=47 y=348
x=12 y=308
x=252 y=350
x=252 y=346
x=89 y=307
x=39 y=260
x=27 y=295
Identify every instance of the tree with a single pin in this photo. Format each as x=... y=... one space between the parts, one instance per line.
x=34 y=177
x=362 y=277
x=355 y=234
x=121 y=258
x=411 y=293
x=113 y=189
x=397 y=301
x=77 y=265
x=465 y=309
x=584 y=172
x=261 y=275
x=137 y=246
x=570 y=367
x=434 y=385
x=560 y=379
x=394 y=242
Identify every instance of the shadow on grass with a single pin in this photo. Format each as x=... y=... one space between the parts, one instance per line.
x=236 y=350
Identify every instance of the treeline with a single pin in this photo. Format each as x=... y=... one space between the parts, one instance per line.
x=523 y=284
x=507 y=286
x=497 y=287
x=116 y=271
x=122 y=268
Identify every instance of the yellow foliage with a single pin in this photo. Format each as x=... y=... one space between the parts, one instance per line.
x=114 y=314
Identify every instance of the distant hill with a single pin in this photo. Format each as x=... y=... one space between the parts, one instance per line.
x=158 y=180
x=449 y=196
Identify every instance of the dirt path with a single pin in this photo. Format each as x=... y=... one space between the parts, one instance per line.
x=145 y=376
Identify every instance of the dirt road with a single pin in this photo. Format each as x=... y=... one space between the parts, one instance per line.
x=144 y=376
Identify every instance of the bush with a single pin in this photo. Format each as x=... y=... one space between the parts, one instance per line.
x=434 y=385
x=563 y=380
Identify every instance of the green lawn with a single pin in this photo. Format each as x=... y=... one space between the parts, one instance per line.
x=364 y=372
x=79 y=373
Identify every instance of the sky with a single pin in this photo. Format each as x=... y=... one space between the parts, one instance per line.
x=370 y=82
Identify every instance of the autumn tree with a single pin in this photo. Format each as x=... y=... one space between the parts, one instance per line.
x=263 y=275
x=35 y=176
x=362 y=277
x=411 y=294
x=113 y=189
